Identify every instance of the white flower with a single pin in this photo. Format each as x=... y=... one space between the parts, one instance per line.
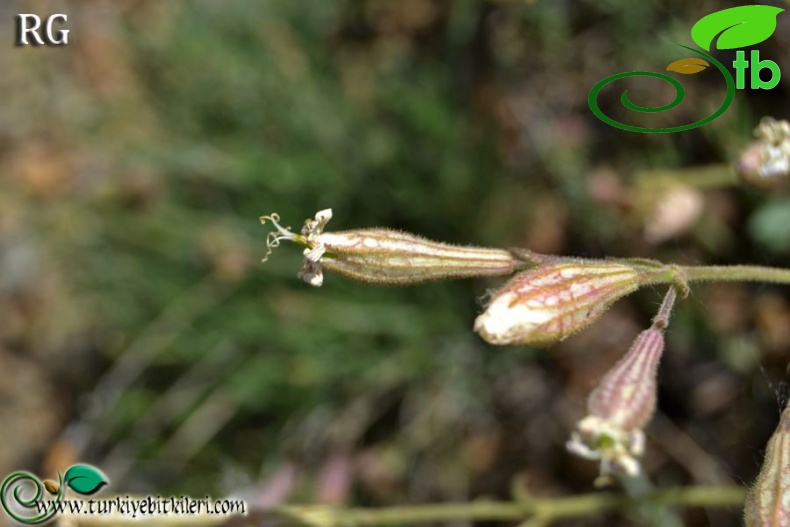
x=617 y=449
x=311 y=271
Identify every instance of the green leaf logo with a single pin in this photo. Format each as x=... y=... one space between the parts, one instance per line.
x=85 y=479
x=739 y=27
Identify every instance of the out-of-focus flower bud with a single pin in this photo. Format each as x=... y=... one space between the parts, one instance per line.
x=623 y=403
x=387 y=256
x=558 y=298
x=675 y=211
x=768 y=503
x=766 y=162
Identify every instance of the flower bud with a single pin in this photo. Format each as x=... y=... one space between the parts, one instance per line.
x=768 y=503
x=387 y=256
x=559 y=298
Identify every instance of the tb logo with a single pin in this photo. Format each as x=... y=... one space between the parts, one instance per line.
x=757 y=83
x=733 y=28
x=29 y=25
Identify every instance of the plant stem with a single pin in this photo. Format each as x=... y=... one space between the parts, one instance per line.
x=544 y=509
x=661 y=320
x=711 y=176
x=743 y=273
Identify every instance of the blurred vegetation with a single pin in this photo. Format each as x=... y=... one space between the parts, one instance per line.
x=139 y=332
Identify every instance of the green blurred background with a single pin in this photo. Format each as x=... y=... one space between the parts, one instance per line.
x=140 y=333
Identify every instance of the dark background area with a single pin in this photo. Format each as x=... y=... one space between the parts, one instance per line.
x=140 y=333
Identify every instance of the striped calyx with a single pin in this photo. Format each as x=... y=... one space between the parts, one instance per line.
x=393 y=257
x=626 y=396
x=546 y=304
x=768 y=503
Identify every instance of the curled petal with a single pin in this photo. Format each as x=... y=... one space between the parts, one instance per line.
x=274 y=238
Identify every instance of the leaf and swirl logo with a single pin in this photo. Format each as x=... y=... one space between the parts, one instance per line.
x=737 y=27
x=29 y=500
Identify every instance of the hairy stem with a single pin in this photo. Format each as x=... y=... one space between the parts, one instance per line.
x=740 y=273
x=545 y=510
